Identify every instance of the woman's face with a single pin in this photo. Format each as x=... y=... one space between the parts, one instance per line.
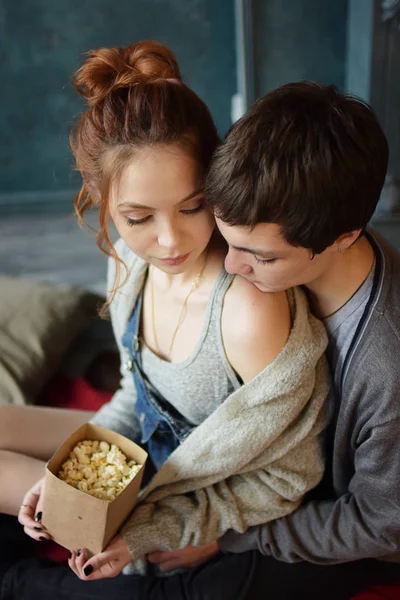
x=159 y=209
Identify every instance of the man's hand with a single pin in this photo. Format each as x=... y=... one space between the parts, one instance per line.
x=191 y=556
x=105 y=565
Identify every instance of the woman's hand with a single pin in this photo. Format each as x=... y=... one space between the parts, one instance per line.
x=30 y=512
x=105 y=565
x=189 y=557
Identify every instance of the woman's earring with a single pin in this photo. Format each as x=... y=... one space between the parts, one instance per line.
x=340 y=249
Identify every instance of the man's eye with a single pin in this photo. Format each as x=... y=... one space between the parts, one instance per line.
x=132 y=222
x=264 y=261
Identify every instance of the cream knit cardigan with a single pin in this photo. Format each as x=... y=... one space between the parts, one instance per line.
x=251 y=461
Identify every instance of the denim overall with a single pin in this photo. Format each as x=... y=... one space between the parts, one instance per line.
x=163 y=428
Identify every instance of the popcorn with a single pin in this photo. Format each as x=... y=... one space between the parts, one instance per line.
x=99 y=469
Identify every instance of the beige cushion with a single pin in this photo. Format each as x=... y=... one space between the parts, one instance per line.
x=38 y=321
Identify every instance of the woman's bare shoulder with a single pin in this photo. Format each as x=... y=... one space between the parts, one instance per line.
x=255 y=327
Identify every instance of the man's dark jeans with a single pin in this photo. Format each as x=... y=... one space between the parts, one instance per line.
x=247 y=576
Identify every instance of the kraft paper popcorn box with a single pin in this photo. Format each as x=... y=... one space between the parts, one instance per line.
x=75 y=519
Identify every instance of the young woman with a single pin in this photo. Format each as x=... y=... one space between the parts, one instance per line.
x=224 y=385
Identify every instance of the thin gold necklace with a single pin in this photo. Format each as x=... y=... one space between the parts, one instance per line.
x=193 y=287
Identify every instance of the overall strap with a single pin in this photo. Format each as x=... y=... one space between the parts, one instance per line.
x=130 y=339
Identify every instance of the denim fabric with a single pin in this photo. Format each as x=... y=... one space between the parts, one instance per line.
x=163 y=428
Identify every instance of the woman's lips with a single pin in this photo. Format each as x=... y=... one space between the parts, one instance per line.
x=175 y=261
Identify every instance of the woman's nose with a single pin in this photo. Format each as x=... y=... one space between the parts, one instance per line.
x=235 y=265
x=168 y=237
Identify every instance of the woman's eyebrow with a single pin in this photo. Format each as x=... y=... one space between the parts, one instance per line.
x=191 y=196
x=194 y=194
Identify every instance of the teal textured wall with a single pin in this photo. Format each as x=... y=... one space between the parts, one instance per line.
x=41 y=44
x=299 y=39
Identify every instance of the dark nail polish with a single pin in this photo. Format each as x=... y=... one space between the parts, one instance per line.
x=87 y=570
x=42 y=538
x=38 y=517
x=79 y=552
x=38 y=529
x=69 y=554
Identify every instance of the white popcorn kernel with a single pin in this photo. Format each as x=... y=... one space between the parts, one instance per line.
x=83 y=486
x=71 y=482
x=87 y=472
x=97 y=484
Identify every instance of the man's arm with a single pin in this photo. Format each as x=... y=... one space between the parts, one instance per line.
x=365 y=522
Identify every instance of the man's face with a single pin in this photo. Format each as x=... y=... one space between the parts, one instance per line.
x=263 y=257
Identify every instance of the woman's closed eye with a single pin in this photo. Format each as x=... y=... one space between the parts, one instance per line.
x=131 y=222
x=193 y=211
x=189 y=211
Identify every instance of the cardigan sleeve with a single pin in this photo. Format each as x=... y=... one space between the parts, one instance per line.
x=363 y=523
x=119 y=413
x=203 y=516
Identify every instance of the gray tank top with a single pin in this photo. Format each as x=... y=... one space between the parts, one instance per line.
x=198 y=385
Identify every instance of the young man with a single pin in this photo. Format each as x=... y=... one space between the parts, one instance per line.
x=293 y=189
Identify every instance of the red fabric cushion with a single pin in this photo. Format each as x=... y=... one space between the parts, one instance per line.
x=380 y=592
x=77 y=393
x=63 y=392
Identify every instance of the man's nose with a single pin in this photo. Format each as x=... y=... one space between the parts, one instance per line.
x=235 y=265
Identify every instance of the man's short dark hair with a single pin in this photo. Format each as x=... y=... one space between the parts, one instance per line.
x=305 y=157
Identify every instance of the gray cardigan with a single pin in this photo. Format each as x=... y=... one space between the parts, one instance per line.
x=361 y=517
x=251 y=460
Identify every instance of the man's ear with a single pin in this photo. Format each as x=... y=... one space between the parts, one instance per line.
x=346 y=240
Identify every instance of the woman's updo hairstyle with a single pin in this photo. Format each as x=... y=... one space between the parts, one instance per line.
x=110 y=69
x=135 y=98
